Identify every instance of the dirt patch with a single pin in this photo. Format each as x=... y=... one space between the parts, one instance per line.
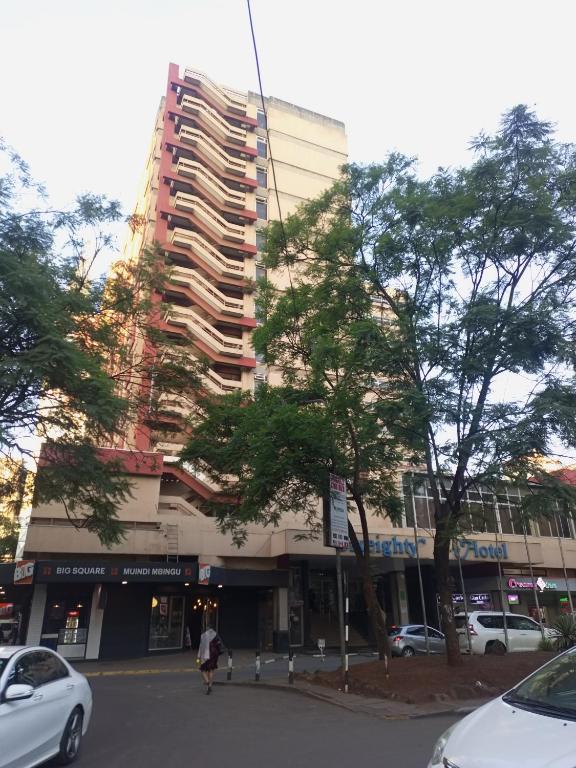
x=429 y=678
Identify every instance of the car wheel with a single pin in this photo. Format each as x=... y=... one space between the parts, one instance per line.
x=496 y=648
x=408 y=651
x=71 y=738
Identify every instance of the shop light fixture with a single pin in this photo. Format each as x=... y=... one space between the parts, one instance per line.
x=220 y=586
x=187 y=584
x=124 y=582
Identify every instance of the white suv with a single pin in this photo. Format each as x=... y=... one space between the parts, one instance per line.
x=487 y=632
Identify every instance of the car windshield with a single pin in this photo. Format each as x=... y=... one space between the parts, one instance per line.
x=3 y=663
x=551 y=690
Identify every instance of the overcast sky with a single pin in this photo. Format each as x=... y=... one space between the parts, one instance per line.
x=81 y=81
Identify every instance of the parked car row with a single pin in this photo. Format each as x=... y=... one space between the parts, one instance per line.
x=486 y=632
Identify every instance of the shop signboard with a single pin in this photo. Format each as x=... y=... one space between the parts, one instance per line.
x=520 y=582
x=476 y=598
x=336 y=515
x=88 y=571
x=24 y=572
x=6 y=610
x=204 y=571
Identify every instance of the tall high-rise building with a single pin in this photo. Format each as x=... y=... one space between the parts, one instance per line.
x=208 y=189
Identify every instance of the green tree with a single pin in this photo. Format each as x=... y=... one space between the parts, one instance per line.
x=79 y=358
x=475 y=269
x=272 y=453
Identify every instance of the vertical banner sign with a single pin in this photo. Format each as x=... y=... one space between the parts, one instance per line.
x=336 y=515
x=204 y=573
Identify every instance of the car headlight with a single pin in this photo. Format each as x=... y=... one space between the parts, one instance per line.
x=438 y=753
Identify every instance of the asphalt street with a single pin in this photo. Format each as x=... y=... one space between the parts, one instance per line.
x=167 y=720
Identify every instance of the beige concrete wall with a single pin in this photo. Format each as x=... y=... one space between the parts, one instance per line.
x=199 y=535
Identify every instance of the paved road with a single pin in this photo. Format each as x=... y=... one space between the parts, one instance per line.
x=166 y=720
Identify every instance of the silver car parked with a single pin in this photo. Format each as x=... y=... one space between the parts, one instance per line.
x=411 y=639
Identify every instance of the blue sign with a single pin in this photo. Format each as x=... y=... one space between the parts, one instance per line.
x=465 y=549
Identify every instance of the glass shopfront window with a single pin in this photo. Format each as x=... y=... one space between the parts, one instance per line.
x=166 y=622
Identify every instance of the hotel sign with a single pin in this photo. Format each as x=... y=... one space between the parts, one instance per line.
x=465 y=549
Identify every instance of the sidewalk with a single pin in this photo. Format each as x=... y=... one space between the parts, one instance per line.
x=274 y=676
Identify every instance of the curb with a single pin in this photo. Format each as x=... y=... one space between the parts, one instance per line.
x=339 y=701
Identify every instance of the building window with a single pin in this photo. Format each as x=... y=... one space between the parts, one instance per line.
x=262 y=177
x=260 y=241
x=260 y=273
x=261 y=208
x=262 y=147
x=261 y=117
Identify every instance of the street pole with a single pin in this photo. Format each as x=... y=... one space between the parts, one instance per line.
x=419 y=569
x=500 y=588
x=561 y=546
x=341 y=613
x=534 y=587
x=463 y=588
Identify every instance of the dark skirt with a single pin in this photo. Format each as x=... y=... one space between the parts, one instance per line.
x=209 y=665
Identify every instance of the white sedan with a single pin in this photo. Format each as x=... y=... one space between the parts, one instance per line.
x=45 y=707
x=531 y=726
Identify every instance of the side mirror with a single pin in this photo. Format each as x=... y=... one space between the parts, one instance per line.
x=18 y=692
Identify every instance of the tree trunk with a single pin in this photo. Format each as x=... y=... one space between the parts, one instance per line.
x=377 y=615
x=442 y=542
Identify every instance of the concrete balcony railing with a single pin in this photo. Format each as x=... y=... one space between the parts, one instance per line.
x=202 y=330
x=210 y=255
x=218 y=383
x=234 y=102
x=212 y=150
x=194 y=280
x=211 y=183
x=213 y=120
x=176 y=505
x=195 y=205
x=171 y=404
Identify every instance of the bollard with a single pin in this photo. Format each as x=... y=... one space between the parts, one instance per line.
x=291 y=667
x=257 y=678
x=347 y=619
x=229 y=673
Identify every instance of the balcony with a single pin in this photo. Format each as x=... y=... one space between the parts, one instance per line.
x=218 y=224
x=202 y=330
x=218 y=300
x=217 y=383
x=213 y=121
x=212 y=150
x=229 y=100
x=185 y=238
x=211 y=183
x=171 y=404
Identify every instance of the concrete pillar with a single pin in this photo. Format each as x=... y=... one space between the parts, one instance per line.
x=37 y=609
x=282 y=608
x=95 y=625
x=281 y=629
x=400 y=597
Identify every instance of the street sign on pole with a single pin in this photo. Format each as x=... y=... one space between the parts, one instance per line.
x=336 y=515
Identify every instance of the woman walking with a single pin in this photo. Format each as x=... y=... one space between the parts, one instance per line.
x=210 y=649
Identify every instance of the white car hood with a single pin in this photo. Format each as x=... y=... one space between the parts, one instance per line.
x=499 y=735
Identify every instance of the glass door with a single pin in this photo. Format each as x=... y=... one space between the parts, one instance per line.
x=166 y=623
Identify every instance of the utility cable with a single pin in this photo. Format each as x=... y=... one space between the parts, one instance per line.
x=272 y=164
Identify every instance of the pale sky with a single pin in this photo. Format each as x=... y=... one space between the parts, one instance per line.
x=81 y=81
